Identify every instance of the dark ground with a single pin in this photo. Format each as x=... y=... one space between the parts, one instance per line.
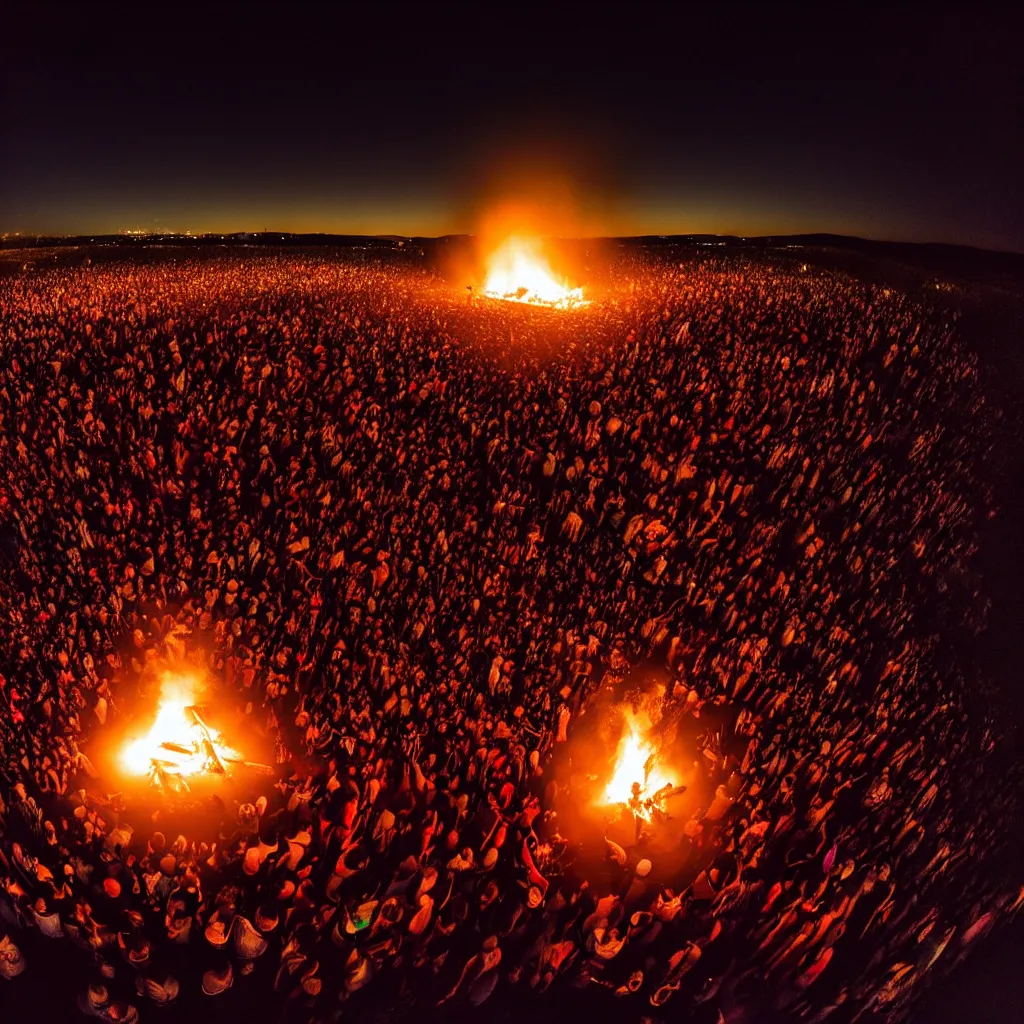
x=988 y=988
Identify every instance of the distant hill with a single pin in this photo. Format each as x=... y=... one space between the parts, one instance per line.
x=843 y=251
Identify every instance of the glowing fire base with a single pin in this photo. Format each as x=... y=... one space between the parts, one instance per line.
x=179 y=745
x=518 y=272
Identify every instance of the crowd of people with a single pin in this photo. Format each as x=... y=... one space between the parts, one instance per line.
x=415 y=538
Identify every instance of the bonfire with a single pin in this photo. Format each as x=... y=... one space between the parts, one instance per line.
x=638 y=779
x=517 y=271
x=180 y=743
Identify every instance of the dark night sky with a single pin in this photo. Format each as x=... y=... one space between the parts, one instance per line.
x=900 y=126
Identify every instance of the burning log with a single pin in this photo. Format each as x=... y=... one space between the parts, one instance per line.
x=176 y=748
x=214 y=762
x=167 y=781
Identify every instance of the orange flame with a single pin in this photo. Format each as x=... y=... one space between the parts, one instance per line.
x=636 y=762
x=517 y=271
x=176 y=742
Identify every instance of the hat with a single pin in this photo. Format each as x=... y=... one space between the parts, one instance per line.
x=249 y=943
x=119 y=836
x=218 y=979
x=251 y=861
x=140 y=951
x=428 y=881
x=662 y=994
x=97 y=996
x=357 y=920
x=266 y=918
x=216 y=933
x=357 y=972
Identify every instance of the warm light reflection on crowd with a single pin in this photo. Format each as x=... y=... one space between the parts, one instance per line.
x=414 y=540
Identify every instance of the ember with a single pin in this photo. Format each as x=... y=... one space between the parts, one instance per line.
x=518 y=272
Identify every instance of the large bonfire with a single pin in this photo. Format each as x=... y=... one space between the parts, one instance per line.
x=518 y=271
x=179 y=743
x=639 y=780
